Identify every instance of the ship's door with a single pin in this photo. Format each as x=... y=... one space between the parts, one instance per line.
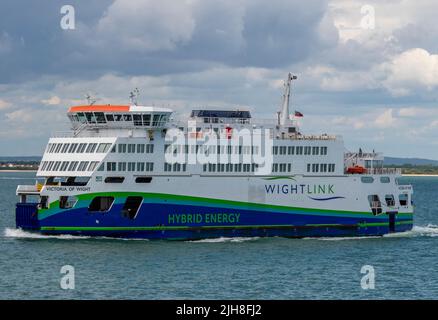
x=391 y=216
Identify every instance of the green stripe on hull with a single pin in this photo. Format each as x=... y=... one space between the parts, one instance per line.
x=209 y=202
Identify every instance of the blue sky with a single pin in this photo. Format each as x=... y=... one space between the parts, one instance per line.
x=375 y=84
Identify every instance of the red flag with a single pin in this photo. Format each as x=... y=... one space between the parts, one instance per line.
x=298 y=114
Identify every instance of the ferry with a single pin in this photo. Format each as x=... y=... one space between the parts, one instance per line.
x=134 y=171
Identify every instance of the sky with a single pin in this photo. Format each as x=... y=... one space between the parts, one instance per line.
x=367 y=70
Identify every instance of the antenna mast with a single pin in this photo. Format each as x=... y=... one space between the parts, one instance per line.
x=133 y=96
x=284 y=116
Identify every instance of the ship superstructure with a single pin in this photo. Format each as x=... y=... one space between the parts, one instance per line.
x=117 y=173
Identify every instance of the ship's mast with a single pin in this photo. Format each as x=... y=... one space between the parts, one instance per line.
x=284 y=113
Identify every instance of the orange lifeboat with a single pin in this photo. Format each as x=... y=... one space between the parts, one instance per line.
x=356 y=169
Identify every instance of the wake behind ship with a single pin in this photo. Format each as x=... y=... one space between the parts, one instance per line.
x=135 y=172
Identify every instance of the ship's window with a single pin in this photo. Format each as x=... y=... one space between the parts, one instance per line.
x=64 y=165
x=290 y=150
x=100 y=117
x=131 y=166
x=73 y=165
x=90 y=117
x=385 y=180
x=299 y=150
x=67 y=202
x=81 y=147
x=315 y=151
x=43 y=165
x=282 y=167
x=81 y=117
x=143 y=179
x=122 y=166
x=49 y=167
x=65 y=147
x=52 y=147
x=73 y=147
x=137 y=119
x=109 y=117
x=403 y=198
x=323 y=151
x=308 y=167
x=131 y=148
x=103 y=147
x=149 y=148
x=140 y=166
x=122 y=148
x=127 y=117
x=315 y=167
x=155 y=121
x=91 y=148
x=275 y=150
x=131 y=207
x=292 y=130
x=331 y=167
x=367 y=179
x=58 y=147
x=390 y=201
x=323 y=167
x=110 y=166
x=289 y=167
x=101 y=167
x=101 y=204
x=282 y=150
x=146 y=119
x=275 y=167
x=375 y=204
x=56 y=166
x=307 y=150
x=140 y=148
x=149 y=166
x=114 y=179
x=93 y=165
x=83 y=165
x=238 y=167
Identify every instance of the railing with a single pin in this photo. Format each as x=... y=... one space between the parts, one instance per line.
x=379 y=171
x=22 y=189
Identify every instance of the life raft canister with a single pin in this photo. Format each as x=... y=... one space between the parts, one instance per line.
x=228 y=132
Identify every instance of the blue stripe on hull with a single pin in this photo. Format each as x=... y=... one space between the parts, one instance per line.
x=251 y=223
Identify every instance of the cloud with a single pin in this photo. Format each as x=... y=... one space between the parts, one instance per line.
x=52 y=101
x=4 y=105
x=385 y=120
x=153 y=25
x=410 y=70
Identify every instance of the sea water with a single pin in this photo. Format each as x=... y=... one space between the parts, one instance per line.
x=405 y=264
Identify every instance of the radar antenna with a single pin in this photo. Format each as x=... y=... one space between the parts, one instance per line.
x=133 y=96
x=90 y=99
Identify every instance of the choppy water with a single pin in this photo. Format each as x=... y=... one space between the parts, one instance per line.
x=246 y=268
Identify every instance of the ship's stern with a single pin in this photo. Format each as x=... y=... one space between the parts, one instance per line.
x=26 y=210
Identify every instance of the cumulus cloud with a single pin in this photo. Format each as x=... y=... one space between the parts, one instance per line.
x=146 y=25
x=52 y=101
x=412 y=69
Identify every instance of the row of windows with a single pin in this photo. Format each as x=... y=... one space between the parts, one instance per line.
x=376 y=204
x=320 y=167
x=299 y=150
x=78 y=147
x=367 y=179
x=276 y=150
x=176 y=167
x=127 y=166
x=104 y=204
x=69 y=165
x=210 y=149
x=156 y=120
x=134 y=148
x=229 y=167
